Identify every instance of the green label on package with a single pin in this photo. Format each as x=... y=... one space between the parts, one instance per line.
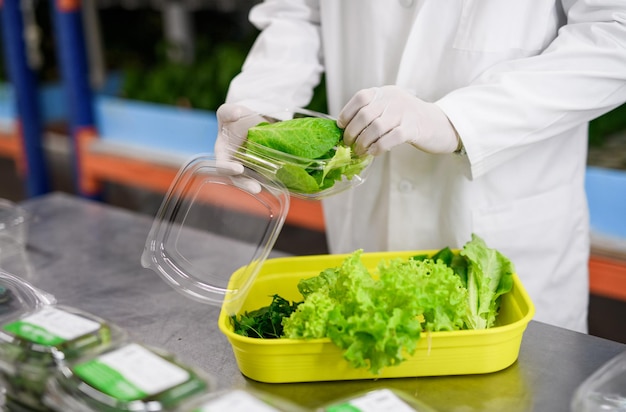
x=131 y=373
x=51 y=326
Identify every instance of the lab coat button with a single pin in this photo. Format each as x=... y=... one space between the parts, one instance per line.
x=406 y=3
x=405 y=186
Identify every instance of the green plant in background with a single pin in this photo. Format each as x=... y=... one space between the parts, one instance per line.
x=201 y=85
x=606 y=125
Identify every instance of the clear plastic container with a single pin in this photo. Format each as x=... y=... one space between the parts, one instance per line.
x=210 y=224
x=18 y=296
x=240 y=400
x=33 y=344
x=127 y=377
x=378 y=400
x=310 y=178
x=604 y=390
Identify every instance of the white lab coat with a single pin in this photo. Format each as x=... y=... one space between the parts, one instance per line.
x=518 y=79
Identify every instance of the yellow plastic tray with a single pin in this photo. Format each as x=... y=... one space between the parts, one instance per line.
x=438 y=353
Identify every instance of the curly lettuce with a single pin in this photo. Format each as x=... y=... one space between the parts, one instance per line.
x=378 y=320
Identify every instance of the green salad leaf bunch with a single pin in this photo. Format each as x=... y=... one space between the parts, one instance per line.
x=318 y=143
x=377 y=317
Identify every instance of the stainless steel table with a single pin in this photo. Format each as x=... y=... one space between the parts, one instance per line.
x=88 y=256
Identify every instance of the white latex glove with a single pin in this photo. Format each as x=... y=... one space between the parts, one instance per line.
x=233 y=122
x=377 y=119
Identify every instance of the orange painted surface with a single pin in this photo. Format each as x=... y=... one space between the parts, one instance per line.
x=607 y=277
x=66 y=6
x=96 y=168
x=11 y=146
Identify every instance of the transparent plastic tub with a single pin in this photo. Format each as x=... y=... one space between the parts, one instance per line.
x=211 y=223
x=306 y=177
x=125 y=377
x=240 y=400
x=34 y=344
x=604 y=390
x=438 y=353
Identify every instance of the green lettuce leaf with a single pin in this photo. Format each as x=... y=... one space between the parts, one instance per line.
x=489 y=276
x=307 y=137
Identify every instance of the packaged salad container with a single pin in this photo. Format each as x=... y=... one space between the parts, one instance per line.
x=302 y=149
x=284 y=360
x=34 y=344
x=125 y=377
x=18 y=296
x=378 y=400
x=240 y=400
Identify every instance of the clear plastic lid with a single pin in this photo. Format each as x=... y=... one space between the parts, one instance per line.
x=19 y=296
x=212 y=222
x=604 y=390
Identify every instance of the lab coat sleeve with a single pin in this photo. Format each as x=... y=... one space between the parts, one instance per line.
x=578 y=77
x=284 y=65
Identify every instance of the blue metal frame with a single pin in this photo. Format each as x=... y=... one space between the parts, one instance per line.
x=24 y=80
x=73 y=61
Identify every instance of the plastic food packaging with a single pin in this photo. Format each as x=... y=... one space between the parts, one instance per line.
x=240 y=400
x=438 y=353
x=379 y=400
x=305 y=177
x=126 y=377
x=34 y=344
x=207 y=205
x=604 y=390
x=18 y=296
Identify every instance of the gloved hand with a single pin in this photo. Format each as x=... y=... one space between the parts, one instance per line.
x=233 y=122
x=377 y=119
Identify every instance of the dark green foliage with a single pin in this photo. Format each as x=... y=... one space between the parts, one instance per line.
x=607 y=124
x=265 y=322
